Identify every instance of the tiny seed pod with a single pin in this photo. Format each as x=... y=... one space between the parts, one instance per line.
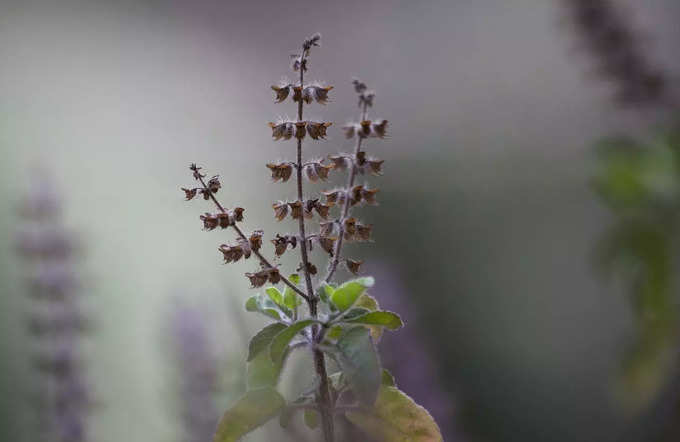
x=364 y=232
x=189 y=193
x=296 y=209
x=338 y=162
x=281 y=92
x=280 y=210
x=375 y=166
x=317 y=130
x=353 y=266
x=210 y=222
x=300 y=130
x=368 y=196
x=379 y=129
x=237 y=213
x=258 y=279
x=256 y=240
x=327 y=243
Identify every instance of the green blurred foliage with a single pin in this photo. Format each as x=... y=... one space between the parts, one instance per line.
x=640 y=183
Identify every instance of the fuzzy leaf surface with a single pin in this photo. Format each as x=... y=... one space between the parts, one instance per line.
x=251 y=411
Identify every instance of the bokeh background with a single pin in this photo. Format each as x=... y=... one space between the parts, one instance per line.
x=485 y=234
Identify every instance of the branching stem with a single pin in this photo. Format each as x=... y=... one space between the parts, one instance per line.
x=265 y=262
x=347 y=205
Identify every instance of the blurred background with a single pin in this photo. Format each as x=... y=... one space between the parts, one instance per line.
x=487 y=239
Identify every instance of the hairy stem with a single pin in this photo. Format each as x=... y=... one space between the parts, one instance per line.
x=323 y=395
x=265 y=262
x=346 y=207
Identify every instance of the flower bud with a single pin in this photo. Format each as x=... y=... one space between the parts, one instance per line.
x=214 y=184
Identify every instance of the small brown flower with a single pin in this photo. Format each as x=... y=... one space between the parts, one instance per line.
x=256 y=240
x=297 y=93
x=338 y=162
x=224 y=220
x=189 y=193
x=274 y=276
x=333 y=197
x=317 y=130
x=231 y=253
x=311 y=268
x=368 y=196
x=375 y=166
x=296 y=209
x=353 y=266
x=310 y=172
x=309 y=207
x=205 y=193
x=327 y=243
x=280 y=210
x=322 y=209
x=322 y=170
x=283 y=130
x=350 y=228
x=258 y=279
x=281 y=171
x=364 y=129
x=379 y=129
x=237 y=213
x=280 y=244
x=356 y=194
x=214 y=184
x=210 y=222
x=364 y=231
x=315 y=92
x=281 y=92
x=360 y=158
x=300 y=130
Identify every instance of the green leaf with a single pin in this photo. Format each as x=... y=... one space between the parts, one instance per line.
x=283 y=338
x=396 y=418
x=275 y=295
x=359 y=362
x=263 y=372
x=252 y=304
x=347 y=294
x=251 y=411
x=294 y=278
x=353 y=313
x=263 y=338
x=390 y=320
x=388 y=379
x=311 y=418
x=334 y=332
x=290 y=299
x=368 y=302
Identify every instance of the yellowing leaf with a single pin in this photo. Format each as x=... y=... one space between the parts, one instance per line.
x=396 y=418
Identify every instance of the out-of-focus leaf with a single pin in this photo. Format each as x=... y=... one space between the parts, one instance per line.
x=251 y=411
x=263 y=372
x=395 y=417
x=359 y=362
x=388 y=379
x=311 y=418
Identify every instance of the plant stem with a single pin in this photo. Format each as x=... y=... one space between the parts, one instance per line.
x=346 y=207
x=240 y=233
x=323 y=396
